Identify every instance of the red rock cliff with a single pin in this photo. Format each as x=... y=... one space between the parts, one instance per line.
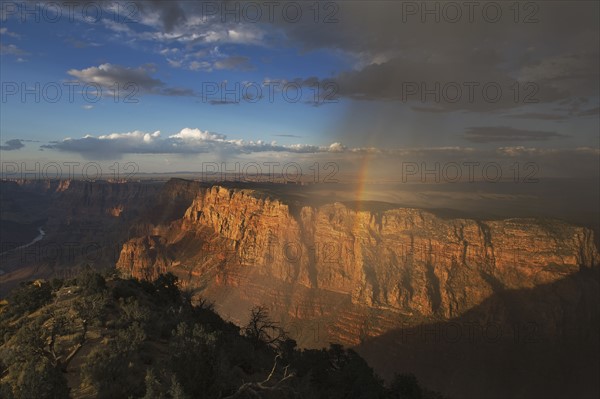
x=398 y=261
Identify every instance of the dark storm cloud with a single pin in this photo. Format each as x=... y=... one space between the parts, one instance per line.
x=12 y=145
x=552 y=45
x=590 y=112
x=470 y=83
x=477 y=81
x=539 y=116
x=494 y=134
x=557 y=52
x=170 y=13
x=109 y=76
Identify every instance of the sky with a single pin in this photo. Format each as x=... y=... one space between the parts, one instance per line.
x=374 y=87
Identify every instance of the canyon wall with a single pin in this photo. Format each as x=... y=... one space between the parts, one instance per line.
x=407 y=263
x=85 y=223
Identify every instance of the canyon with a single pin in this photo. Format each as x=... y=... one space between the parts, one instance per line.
x=357 y=273
x=405 y=261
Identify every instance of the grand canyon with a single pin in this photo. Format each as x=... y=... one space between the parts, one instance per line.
x=234 y=199
x=411 y=289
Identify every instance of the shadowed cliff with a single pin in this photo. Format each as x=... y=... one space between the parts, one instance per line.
x=530 y=343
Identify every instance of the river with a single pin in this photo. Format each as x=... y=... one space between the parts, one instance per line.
x=39 y=237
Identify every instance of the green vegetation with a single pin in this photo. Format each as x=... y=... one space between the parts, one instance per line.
x=99 y=336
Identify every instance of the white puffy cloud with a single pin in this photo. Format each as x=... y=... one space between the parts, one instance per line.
x=578 y=162
x=188 y=134
x=132 y=136
x=337 y=147
x=186 y=141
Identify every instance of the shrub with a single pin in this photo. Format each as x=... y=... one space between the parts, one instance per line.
x=91 y=282
x=29 y=297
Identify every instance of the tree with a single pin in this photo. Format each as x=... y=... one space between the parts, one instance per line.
x=59 y=325
x=29 y=297
x=91 y=282
x=32 y=365
x=261 y=330
x=176 y=391
x=269 y=385
x=106 y=372
x=38 y=379
x=153 y=388
x=40 y=340
x=194 y=360
x=167 y=287
x=88 y=310
x=116 y=370
x=406 y=386
x=134 y=312
x=336 y=373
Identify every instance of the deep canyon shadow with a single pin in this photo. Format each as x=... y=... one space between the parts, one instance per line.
x=529 y=343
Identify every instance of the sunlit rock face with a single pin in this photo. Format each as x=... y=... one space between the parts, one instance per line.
x=356 y=272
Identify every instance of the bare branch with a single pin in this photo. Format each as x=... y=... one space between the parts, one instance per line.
x=254 y=388
x=272 y=370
